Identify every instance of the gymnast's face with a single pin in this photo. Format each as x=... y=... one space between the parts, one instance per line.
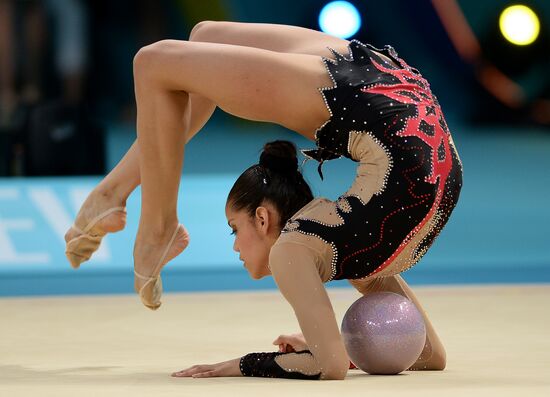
x=254 y=237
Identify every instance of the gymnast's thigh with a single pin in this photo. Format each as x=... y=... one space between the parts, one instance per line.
x=250 y=83
x=269 y=36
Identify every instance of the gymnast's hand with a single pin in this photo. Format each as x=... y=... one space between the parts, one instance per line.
x=291 y=343
x=226 y=368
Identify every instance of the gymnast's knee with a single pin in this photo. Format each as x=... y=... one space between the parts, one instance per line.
x=150 y=58
x=432 y=358
x=209 y=31
x=439 y=360
x=144 y=61
x=201 y=30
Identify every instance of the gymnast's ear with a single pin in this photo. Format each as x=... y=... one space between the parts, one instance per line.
x=263 y=218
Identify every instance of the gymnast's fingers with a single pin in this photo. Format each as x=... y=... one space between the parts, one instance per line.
x=283 y=340
x=288 y=348
x=207 y=374
x=192 y=370
x=290 y=343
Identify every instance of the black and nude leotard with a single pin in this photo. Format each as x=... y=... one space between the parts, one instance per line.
x=409 y=177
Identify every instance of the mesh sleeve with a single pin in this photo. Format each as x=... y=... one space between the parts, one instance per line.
x=268 y=365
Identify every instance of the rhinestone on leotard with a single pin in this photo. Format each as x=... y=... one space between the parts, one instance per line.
x=391 y=100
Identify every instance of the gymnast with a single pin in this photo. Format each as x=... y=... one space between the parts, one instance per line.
x=352 y=100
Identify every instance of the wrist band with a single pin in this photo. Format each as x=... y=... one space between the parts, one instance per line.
x=264 y=365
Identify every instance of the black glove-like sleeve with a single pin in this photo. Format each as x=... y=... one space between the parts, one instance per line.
x=264 y=365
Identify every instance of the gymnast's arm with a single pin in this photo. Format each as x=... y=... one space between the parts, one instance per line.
x=294 y=268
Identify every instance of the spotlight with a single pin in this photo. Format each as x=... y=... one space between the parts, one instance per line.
x=519 y=24
x=340 y=19
x=510 y=57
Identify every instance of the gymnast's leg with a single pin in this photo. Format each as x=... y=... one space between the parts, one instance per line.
x=121 y=181
x=433 y=357
x=124 y=178
x=115 y=188
x=249 y=83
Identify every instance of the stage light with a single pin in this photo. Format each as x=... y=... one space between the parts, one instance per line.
x=340 y=19
x=519 y=25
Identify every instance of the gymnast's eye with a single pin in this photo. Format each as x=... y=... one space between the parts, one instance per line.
x=233 y=232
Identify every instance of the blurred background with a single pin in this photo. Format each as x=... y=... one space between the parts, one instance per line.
x=67 y=116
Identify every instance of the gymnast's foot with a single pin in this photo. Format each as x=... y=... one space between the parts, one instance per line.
x=152 y=251
x=102 y=212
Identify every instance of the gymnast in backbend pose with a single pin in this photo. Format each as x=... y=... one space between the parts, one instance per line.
x=352 y=100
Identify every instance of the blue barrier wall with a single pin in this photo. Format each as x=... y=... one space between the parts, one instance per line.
x=498 y=233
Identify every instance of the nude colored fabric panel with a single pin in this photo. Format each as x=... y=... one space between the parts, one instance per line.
x=303 y=363
x=295 y=270
x=321 y=250
x=322 y=210
x=373 y=165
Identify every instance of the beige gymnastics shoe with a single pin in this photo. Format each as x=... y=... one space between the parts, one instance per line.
x=151 y=291
x=80 y=248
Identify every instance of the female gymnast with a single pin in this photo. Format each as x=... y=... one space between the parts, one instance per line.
x=352 y=100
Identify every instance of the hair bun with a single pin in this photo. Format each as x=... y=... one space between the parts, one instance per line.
x=280 y=156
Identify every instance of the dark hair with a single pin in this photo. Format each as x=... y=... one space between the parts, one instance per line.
x=276 y=179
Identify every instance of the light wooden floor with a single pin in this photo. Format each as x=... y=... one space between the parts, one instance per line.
x=497 y=339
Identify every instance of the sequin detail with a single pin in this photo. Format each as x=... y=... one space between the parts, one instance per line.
x=296 y=228
x=391 y=104
x=343 y=205
x=264 y=365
